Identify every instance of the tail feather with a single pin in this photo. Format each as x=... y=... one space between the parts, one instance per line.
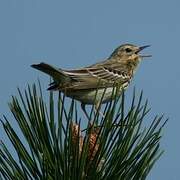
x=55 y=73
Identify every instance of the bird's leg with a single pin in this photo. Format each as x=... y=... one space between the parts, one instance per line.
x=97 y=110
x=83 y=106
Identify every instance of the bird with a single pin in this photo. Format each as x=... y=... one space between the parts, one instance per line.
x=95 y=84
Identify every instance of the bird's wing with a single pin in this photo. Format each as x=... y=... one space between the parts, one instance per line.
x=98 y=75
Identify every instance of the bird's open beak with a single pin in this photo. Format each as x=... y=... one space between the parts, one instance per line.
x=141 y=48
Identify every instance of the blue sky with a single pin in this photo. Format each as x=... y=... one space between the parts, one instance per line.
x=77 y=33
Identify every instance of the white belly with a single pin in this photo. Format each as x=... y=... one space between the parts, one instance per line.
x=90 y=97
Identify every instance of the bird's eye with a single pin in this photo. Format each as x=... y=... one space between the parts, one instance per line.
x=128 y=50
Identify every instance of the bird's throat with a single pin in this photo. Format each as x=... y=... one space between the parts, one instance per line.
x=132 y=64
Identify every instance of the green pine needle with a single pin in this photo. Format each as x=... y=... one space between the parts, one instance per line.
x=123 y=147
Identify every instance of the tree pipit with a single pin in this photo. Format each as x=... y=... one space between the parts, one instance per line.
x=82 y=84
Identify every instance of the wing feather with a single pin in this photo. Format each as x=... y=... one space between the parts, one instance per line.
x=98 y=75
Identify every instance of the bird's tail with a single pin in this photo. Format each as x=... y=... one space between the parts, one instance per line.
x=57 y=74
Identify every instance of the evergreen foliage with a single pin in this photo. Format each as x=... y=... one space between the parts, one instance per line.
x=56 y=146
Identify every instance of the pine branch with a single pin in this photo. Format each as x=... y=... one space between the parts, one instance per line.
x=56 y=145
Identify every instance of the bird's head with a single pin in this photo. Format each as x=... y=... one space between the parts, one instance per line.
x=129 y=52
